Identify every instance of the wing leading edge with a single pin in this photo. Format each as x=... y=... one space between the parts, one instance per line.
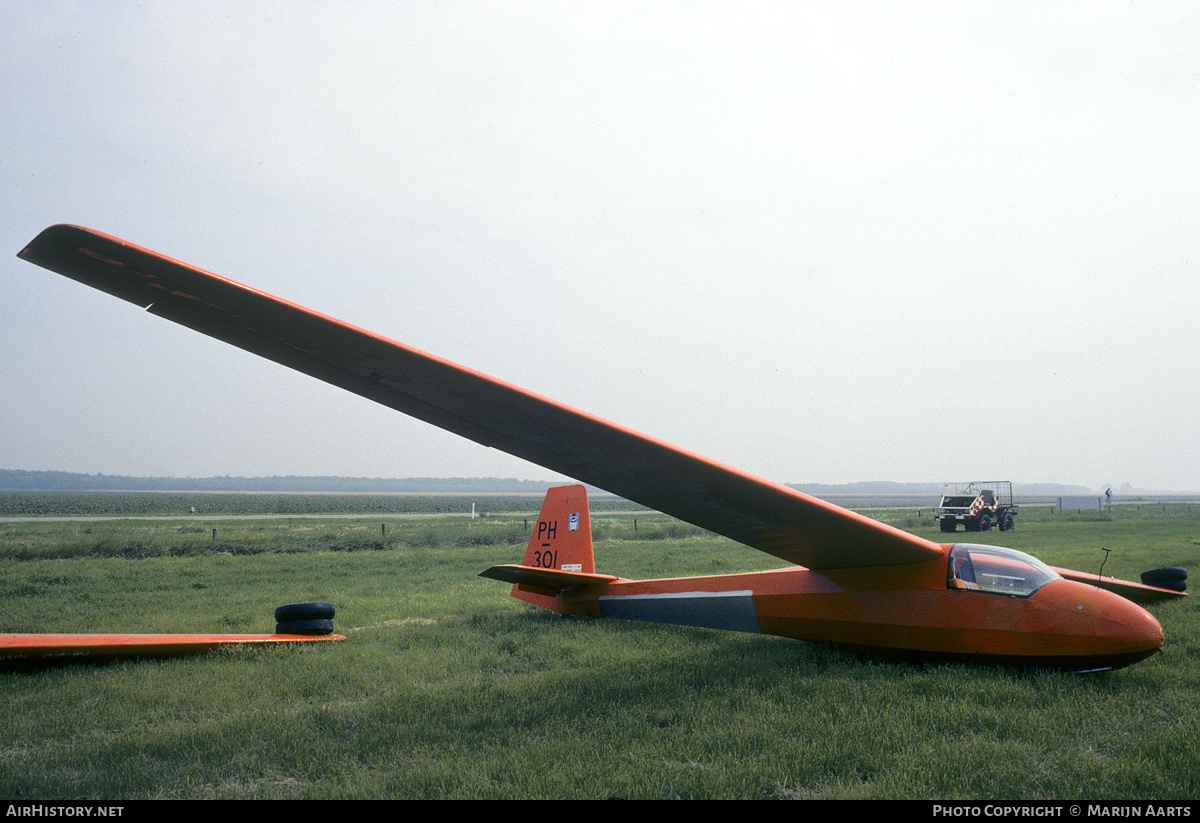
x=767 y=516
x=1137 y=592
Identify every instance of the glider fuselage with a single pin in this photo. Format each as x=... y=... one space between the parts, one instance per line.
x=966 y=601
x=901 y=609
x=895 y=608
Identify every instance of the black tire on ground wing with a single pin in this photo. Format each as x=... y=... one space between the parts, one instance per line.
x=1006 y=523
x=1156 y=577
x=1173 y=585
x=304 y=611
x=309 y=627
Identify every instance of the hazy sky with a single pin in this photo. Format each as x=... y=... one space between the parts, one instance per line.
x=823 y=242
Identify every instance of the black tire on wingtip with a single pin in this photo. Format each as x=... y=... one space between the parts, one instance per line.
x=307 y=627
x=1173 y=585
x=1156 y=577
x=304 y=611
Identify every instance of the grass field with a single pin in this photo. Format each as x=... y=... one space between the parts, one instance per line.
x=448 y=688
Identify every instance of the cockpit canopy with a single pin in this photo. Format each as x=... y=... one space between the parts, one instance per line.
x=996 y=570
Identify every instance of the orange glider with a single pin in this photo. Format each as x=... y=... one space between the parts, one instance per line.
x=962 y=600
x=856 y=582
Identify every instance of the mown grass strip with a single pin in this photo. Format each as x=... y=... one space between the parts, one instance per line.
x=448 y=688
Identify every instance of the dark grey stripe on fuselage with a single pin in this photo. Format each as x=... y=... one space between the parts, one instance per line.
x=732 y=611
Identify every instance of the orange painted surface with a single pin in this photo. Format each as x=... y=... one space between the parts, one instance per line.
x=139 y=645
x=916 y=609
x=1064 y=623
x=760 y=513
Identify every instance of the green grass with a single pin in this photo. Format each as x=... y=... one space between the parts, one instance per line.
x=141 y=539
x=448 y=688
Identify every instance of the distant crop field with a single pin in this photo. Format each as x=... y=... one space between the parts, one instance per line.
x=160 y=504
x=448 y=688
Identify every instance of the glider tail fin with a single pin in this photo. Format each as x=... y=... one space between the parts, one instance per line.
x=561 y=542
x=558 y=572
x=562 y=538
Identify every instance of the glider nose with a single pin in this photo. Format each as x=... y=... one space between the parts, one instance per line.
x=1144 y=629
x=1133 y=633
x=1100 y=629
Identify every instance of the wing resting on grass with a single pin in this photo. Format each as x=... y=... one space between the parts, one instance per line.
x=1137 y=592
x=767 y=516
x=138 y=645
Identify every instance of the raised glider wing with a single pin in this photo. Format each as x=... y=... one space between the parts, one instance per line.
x=849 y=551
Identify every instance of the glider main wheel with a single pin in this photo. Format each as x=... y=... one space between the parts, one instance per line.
x=309 y=627
x=304 y=611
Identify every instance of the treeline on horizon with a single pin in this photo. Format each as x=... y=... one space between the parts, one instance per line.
x=18 y=479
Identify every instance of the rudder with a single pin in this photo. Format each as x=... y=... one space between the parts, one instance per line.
x=561 y=541
x=558 y=571
x=562 y=538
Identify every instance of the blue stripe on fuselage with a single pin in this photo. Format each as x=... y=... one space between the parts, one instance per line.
x=732 y=611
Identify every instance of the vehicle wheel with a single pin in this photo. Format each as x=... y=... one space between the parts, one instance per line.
x=1006 y=523
x=1156 y=577
x=309 y=627
x=948 y=525
x=304 y=611
x=985 y=523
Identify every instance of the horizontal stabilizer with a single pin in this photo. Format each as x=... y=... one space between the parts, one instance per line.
x=550 y=579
